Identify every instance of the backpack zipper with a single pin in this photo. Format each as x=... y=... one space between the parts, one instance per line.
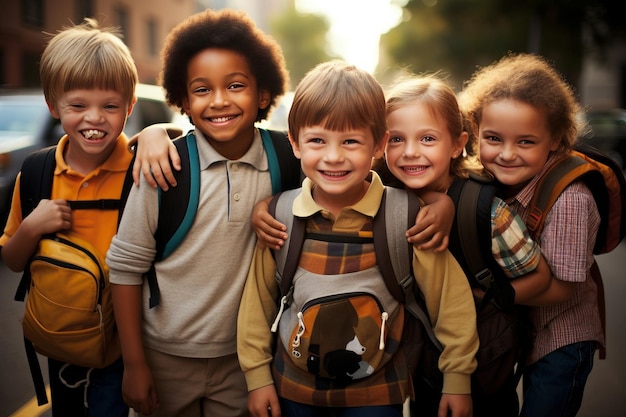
x=99 y=281
x=384 y=316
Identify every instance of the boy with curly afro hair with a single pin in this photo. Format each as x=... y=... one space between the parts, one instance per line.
x=180 y=356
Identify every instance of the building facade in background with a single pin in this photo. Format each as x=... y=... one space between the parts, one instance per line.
x=144 y=25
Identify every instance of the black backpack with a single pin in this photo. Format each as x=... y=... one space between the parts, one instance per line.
x=503 y=327
x=175 y=219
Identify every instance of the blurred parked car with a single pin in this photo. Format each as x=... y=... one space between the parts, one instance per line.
x=26 y=126
x=608 y=132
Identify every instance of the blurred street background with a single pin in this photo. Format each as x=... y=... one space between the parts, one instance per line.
x=585 y=39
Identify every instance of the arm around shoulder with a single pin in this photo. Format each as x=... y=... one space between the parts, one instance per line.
x=257 y=311
x=450 y=305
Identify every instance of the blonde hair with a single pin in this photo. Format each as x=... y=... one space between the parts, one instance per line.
x=339 y=96
x=85 y=56
x=442 y=102
x=532 y=80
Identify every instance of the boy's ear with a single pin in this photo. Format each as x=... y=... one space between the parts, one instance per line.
x=379 y=149
x=264 y=99
x=132 y=106
x=52 y=110
x=294 y=145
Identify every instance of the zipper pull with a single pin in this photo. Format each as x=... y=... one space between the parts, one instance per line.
x=385 y=317
x=301 y=328
x=283 y=303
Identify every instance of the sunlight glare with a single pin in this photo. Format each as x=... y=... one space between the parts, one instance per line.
x=356 y=26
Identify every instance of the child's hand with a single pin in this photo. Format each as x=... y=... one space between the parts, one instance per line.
x=263 y=402
x=48 y=217
x=270 y=232
x=433 y=224
x=459 y=405
x=154 y=152
x=138 y=390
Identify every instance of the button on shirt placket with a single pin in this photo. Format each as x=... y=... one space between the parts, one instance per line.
x=236 y=214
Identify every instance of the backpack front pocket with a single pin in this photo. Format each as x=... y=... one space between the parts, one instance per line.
x=340 y=336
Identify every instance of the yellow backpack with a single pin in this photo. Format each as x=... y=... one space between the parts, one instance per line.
x=69 y=314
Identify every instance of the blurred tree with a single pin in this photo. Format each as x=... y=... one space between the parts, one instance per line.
x=457 y=35
x=303 y=39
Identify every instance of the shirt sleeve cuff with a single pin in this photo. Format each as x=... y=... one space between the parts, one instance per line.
x=259 y=377
x=455 y=383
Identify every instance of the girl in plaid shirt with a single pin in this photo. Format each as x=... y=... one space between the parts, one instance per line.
x=526 y=117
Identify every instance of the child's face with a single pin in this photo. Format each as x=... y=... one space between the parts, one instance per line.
x=420 y=147
x=223 y=99
x=338 y=162
x=93 y=119
x=514 y=142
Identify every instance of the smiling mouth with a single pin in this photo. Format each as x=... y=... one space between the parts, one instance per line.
x=221 y=119
x=414 y=169
x=507 y=166
x=93 y=134
x=335 y=173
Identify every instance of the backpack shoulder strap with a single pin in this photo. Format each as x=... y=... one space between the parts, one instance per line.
x=550 y=187
x=176 y=217
x=394 y=254
x=288 y=257
x=605 y=181
x=126 y=187
x=36 y=176
x=473 y=199
x=285 y=170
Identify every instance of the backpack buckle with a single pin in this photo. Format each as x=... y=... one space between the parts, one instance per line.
x=484 y=278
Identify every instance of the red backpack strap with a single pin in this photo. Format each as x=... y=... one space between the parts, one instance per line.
x=550 y=187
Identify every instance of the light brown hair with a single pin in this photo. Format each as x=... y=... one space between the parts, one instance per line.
x=85 y=56
x=532 y=80
x=338 y=96
x=442 y=102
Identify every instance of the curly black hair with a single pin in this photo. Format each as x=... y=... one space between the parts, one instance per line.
x=227 y=29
